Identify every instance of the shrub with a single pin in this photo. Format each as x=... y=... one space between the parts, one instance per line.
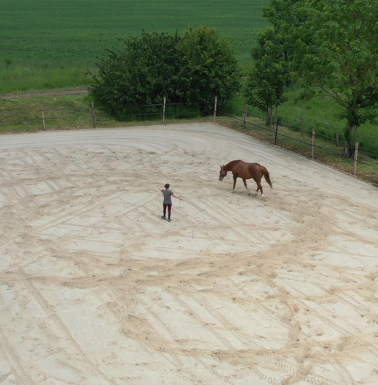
x=192 y=69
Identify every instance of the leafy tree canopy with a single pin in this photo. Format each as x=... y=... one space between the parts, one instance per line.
x=342 y=58
x=267 y=80
x=209 y=67
x=142 y=73
x=332 y=47
x=192 y=69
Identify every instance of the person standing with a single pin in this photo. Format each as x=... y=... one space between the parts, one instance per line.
x=167 y=202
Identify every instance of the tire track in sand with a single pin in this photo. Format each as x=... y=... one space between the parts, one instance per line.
x=91 y=367
x=14 y=359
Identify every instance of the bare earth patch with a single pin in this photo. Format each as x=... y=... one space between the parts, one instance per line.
x=54 y=92
x=95 y=288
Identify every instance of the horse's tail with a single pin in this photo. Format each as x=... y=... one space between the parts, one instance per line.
x=266 y=175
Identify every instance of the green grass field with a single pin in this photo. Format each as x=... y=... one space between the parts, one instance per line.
x=51 y=44
x=321 y=113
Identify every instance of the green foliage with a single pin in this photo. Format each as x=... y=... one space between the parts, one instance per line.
x=333 y=45
x=209 y=68
x=142 y=73
x=339 y=58
x=193 y=69
x=266 y=82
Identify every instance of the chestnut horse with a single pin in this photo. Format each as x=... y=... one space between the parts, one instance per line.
x=245 y=171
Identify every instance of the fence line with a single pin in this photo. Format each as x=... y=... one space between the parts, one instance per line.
x=304 y=123
x=301 y=120
x=44 y=115
x=276 y=137
x=275 y=132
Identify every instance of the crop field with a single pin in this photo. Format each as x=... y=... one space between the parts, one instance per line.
x=55 y=42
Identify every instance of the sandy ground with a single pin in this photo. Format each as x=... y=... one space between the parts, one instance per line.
x=95 y=288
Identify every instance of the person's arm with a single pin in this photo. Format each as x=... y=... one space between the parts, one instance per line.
x=177 y=197
x=159 y=188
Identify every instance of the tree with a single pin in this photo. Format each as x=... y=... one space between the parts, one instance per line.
x=332 y=49
x=286 y=22
x=192 y=69
x=142 y=73
x=209 y=68
x=267 y=80
x=342 y=59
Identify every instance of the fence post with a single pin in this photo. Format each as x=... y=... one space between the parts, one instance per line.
x=302 y=125
x=164 y=103
x=337 y=138
x=245 y=115
x=43 y=117
x=93 y=116
x=276 y=132
x=355 y=159
x=215 y=108
x=313 y=144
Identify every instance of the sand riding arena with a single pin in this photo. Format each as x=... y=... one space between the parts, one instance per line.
x=97 y=289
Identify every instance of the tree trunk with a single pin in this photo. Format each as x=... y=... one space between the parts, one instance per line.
x=267 y=115
x=348 y=139
x=268 y=118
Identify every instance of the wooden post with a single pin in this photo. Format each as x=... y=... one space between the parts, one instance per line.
x=93 y=116
x=313 y=144
x=276 y=132
x=215 y=108
x=164 y=104
x=245 y=115
x=337 y=138
x=43 y=117
x=302 y=125
x=355 y=159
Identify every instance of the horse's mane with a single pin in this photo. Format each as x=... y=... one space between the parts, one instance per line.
x=231 y=164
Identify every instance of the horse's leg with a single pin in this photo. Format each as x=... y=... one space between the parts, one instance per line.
x=235 y=177
x=258 y=182
x=259 y=187
x=245 y=184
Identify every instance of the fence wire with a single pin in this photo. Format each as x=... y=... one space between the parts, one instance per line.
x=283 y=130
x=287 y=139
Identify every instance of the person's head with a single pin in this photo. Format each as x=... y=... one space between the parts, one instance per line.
x=167 y=186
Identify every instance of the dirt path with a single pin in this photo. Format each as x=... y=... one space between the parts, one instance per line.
x=55 y=92
x=95 y=288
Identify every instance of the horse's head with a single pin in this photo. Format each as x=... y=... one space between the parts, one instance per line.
x=222 y=173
